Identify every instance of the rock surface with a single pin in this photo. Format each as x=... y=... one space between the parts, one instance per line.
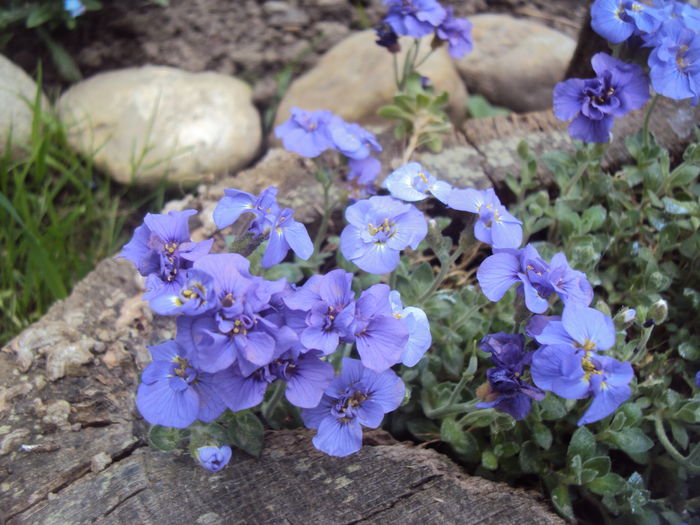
x=515 y=62
x=142 y=124
x=355 y=78
x=17 y=94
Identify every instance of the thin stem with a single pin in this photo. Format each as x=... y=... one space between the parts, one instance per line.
x=574 y=180
x=666 y=443
x=448 y=410
x=645 y=127
x=397 y=80
x=444 y=268
x=270 y=406
x=422 y=60
x=646 y=334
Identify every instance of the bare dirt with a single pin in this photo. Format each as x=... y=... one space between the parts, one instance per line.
x=254 y=40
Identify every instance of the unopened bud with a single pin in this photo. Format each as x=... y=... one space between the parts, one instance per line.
x=658 y=311
x=624 y=318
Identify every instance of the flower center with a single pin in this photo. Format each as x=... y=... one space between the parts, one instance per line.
x=385 y=229
x=681 y=62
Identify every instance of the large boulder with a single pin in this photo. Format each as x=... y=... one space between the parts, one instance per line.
x=17 y=95
x=143 y=124
x=355 y=78
x=515 y=62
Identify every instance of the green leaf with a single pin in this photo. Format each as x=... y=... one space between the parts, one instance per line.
x=479 y=107
x=600 y=464
x=529 y=458
x=552 y=407
x=289 y=271
x=576 y=469
x=562 y=501
x=631 y=440
x=489 y=460
x=593 y=218
x=506 y=450
x=610 y=484
x=39 y=14
x=394 y=112
x=164 y=438
x=462 y=442
x=680 y=434
x=423 y=429
x=582 y=444
x=245 y=431
x=542 y=435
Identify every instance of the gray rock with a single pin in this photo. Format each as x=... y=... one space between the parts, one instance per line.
x=515 y=62
x=17 y=94
x=141 y=124
x=355 y=77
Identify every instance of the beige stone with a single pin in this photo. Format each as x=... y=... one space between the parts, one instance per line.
x=17 y=94
x=515 y=62
x=355 y=77
x=141 y=124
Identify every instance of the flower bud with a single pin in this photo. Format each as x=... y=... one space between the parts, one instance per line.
x=624 y=318
x=213 y=458
x=658 y=311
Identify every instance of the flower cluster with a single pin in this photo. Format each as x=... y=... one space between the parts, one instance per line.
x=418 y=18
x=237 y=333
x=665 y=35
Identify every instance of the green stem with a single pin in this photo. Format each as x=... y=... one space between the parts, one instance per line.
x=327 y=210
x=646 y=334
x=269 y=407
x=666 y=443
x=397 y=80
x=574 y=180
x=444 y=268
x=645 y=127
x=422 y=60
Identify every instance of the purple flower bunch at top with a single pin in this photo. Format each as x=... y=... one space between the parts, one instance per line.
x=357 y=397
x=569 y=363
x=495 y=226
x=537 y=279
x=594 y=103
x=379 y=228
x=617 y=20
x=507 y=390
x=674 y=63
x=412 y=182
x=418 y=18
x=162 y=251
x=310 y=133
x=270 y=221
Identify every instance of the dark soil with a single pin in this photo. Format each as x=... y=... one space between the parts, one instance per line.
x=251 y=39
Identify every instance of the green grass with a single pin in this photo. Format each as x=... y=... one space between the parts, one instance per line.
x=59 y=217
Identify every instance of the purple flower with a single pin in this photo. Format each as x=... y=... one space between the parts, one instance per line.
x=617 y=20
x=414 y=18
x=75 y=8
x=380 y=227
x=697 y=379
x=214 y=458
x=594 y=103
x=538 y=280
x=458 y=34
x=286 y=233
x=579 y=327
x=235 y=203
x=161 y=249
x=306 y=132
x=306 y=375
x=418 y=326
x=173 y=393
x=196 y=296
x=576 y=373
x=386 y=37
x=507 y=390
x=380 y=337
x=675 y=63
x=243 y=326
x=329 y=303
x=350 y=139
x=360 y=179
x=495 y=225
x=270 y=221
x=357 y=397
x=412 y=182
